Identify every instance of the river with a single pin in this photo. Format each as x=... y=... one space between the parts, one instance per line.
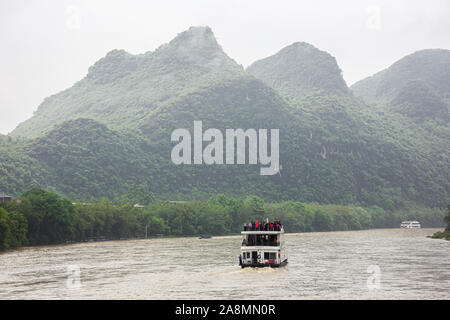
x=368 y=264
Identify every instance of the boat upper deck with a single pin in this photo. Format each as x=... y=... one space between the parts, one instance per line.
x=264 y=226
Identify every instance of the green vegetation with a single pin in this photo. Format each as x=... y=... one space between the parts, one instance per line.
x=108 y=136
x=429 y=66
x=41 y=217
x=13 y=230
x=411 y=99
x=300 y=69
x=446 y=233
x=124 y=90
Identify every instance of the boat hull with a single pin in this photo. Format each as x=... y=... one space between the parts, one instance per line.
x=265 y=265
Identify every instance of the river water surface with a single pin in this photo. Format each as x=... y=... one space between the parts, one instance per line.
x=370 y=264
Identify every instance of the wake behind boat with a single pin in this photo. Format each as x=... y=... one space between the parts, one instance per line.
x=263 y=245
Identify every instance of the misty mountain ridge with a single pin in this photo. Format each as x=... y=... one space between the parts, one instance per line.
x=335 y=146
x=420 y=82
x=123 y=88
x=300 y=69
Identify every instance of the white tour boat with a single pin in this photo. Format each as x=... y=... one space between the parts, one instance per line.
x=263 y=245
x=410 y=225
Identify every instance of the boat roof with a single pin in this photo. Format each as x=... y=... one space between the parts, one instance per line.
x=265 y=248
x=262 y=232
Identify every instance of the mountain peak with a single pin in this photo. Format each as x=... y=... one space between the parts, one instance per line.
x=193 y=44
x=196 y=36
x=300 y=68
x=430 y=66
x=199 y=33
x=197 y=46
x=299 y=45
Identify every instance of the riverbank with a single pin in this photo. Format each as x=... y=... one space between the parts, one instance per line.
x=446 y=233
x=193 y=237
x=441 y=235
x=154 y=237
x=40 y=217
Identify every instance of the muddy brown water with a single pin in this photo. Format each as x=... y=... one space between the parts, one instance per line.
x=369 y=264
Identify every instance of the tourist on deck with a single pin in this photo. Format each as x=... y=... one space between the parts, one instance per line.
x=256 y=225
x=245 y=226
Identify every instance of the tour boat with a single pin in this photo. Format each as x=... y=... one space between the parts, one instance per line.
x=263 y=246
x=410 y=225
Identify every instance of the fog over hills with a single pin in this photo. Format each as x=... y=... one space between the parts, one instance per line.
x=417 y=87
x=109 y=134
x=300 y=69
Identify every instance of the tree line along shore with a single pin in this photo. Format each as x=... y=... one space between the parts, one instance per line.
x=40 y=217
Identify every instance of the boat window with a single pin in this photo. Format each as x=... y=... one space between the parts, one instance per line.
x=270 y=255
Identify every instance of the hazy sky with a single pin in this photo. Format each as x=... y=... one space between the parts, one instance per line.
x=46 y=45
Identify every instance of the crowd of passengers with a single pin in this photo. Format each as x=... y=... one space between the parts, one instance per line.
x=265 y=226
x=261 y=240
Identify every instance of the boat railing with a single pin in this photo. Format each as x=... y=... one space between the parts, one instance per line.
x=264 y=226
x=259 y=244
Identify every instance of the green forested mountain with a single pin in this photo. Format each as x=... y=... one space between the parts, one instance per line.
x=417 y=87
x=431 y=66
x=300 y=70
x=382 y=153
x=80 y=158
x=419 y=102
x=122 y=89
x=109 y=134
x=414 y=94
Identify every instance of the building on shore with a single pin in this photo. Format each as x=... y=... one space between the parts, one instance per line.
x=5 y=198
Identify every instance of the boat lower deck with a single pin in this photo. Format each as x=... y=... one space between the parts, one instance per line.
x=263 y=265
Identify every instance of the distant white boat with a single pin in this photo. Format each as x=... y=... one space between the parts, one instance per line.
x=410 y=225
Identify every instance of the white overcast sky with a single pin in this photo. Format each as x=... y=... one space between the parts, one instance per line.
x=47 y=45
